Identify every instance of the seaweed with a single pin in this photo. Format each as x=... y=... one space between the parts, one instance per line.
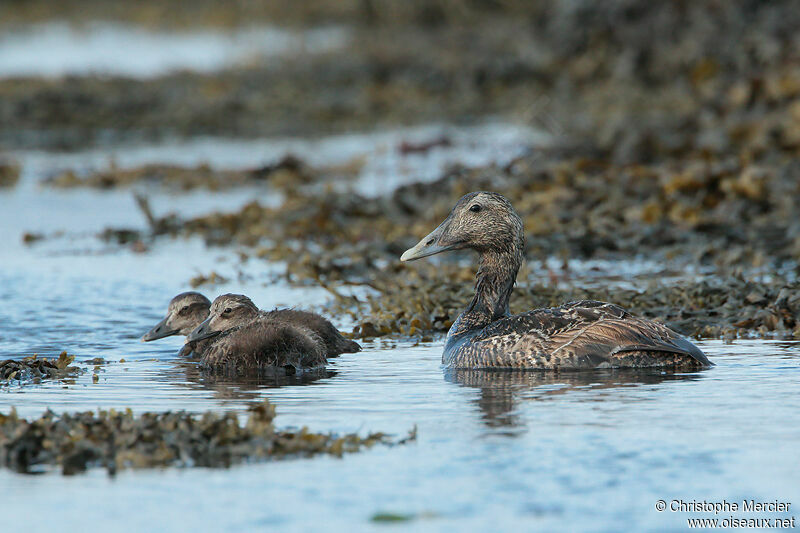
x=117 y=440
x=35 y=368
x=288 y=171
x=9 y=174
x=424 y=304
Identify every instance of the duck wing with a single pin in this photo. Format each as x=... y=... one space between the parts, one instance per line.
x=582 y=334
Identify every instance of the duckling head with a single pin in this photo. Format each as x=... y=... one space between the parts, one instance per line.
x=228 y=311
x=481 y=221
x=185 y=312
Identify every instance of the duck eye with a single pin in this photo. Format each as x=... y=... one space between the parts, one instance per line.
x=475 y=208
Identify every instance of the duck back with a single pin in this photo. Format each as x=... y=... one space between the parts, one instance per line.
x=583 y=334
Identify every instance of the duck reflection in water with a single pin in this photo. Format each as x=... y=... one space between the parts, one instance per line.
x=236 y=387
x=501 y=391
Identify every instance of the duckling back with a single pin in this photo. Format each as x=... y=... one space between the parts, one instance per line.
x=335 y=342
x=265 y=347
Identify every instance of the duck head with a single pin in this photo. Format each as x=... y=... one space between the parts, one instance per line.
x=481 y=221
x=184 y=313
x=228 y=311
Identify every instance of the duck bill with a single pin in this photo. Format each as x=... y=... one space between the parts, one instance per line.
x=203 y=331
x=433 y=243
x=159 y=331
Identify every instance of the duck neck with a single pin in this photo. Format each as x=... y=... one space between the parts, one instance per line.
x=496 y=277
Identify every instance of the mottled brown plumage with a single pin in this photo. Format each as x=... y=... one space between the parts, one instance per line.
x=185 y=312
x=246 y=338
x=577 y=335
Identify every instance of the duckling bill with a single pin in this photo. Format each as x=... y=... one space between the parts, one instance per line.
x=577 y=335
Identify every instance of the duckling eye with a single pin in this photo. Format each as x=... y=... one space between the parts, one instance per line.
x=475 y=208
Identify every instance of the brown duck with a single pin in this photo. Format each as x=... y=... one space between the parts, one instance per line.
x=577 y=335
x=245 y=338
x=185 y=312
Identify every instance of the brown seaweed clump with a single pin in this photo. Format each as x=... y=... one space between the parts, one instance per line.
x=288 y=172
x=9 y=173
x=211 y=279
x=35 y=368
x=117 y=440
x=573 y=206
x=426 y=302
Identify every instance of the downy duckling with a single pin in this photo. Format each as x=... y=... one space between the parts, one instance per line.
x=578 y=335
x=185 y=312
x=245 y=338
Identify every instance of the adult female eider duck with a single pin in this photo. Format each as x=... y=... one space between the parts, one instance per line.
x=246 y=338
x=578 y=335
x=185 y=312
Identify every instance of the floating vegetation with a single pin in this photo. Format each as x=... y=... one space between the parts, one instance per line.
x=289 y=171
x=9 y=173
x=30 y=238
x=421 y=305
x=116 y=440
x=386 y=517
x=36 y=368
x=211 y=279
x=571 y=207
x=121 y=235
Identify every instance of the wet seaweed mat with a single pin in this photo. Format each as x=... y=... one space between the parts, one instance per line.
x=35 y=368
x=428 y=300
x=117 y=440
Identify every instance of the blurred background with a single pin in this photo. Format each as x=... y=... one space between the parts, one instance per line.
x=645 y=133
x=292 y=150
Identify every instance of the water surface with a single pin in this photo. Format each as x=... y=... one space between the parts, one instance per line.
x=59 y=49
x=587 y=451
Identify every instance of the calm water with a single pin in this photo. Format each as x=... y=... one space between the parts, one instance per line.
x=585 y=451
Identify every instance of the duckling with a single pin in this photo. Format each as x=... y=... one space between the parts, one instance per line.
x=185 y=312
x=335 y=343
x=246 y=338
x=577 y=335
